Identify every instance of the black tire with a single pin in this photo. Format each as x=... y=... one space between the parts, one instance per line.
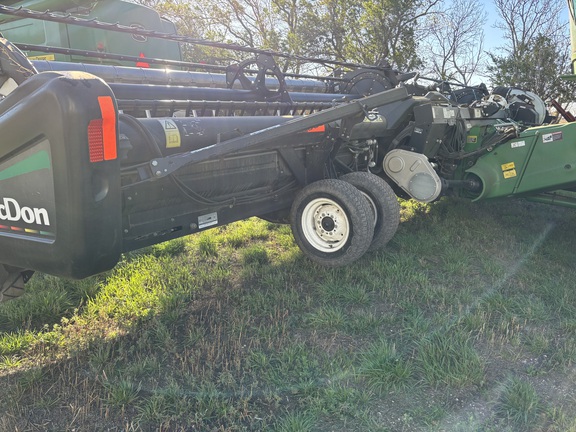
x=332 y=222
x=383 y=202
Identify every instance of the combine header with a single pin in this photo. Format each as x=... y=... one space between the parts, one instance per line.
x=99 y=158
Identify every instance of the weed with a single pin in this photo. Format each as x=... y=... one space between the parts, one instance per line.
x=327 y=317
x=47 y=306
x=31 y=378
x=122 y=393
x=153 y=410
x=415 y=323
x=413 y=210
x=561 y=421
x=363 y=322
x=448 y=358
x=564 y=353
x=100 y=356
x=13 y=343
x=194 y=335
x=537 y=342
x=141 y=368
x=519 y=403
x=207 y=245
x=170 y=248
x=255 y=254
x=344 y=291
x=339 y=399
x=296 y=422
x=10 y=362
x=384 y=369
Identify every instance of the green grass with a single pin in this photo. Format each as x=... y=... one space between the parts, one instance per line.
x=448 y=358
x=384 y=369
x=466 y=321
x=519 y=404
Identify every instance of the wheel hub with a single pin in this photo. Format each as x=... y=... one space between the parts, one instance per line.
x=329 y=224
x=325 y=225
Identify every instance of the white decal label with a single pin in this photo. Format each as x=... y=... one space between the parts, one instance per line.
x=11 y=210
x=207 y=220
x=518 y=144
x=555 y=136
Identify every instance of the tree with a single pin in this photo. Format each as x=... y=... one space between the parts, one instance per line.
x=191 y=20
x=360 y=31
x=535 y=48
x=454 y=42
x=366 y=31
x=388 y=31
x=523 y=21
x=537 y=70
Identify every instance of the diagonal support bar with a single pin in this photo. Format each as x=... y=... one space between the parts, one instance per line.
x=161 y=167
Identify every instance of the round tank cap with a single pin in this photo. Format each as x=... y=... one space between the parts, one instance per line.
x=395 y=164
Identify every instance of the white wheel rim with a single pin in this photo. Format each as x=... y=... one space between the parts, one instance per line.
x=325 y=225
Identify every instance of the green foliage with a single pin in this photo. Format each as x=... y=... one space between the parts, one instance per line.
x=384 y=369
x=535 y=65
x=12 y=343
x=405 y=339
x=448 y=358
x=328 y=317
x=295 y=422
x=519 y=402
x=122 y=393
x=132 y=291
x=47 y=306
x=207 y=246
x=372 y=32
x=256 y=255
x=341 y=400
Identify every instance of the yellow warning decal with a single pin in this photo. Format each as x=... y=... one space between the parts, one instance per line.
x=509 y=174
x=508 y=166
x=173 y=139
x=43 y=57
x=472 y=139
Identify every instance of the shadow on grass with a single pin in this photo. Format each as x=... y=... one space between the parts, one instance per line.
x=222 y=331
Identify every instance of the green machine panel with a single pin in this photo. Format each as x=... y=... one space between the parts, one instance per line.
x=540 y=159
x=45 y=33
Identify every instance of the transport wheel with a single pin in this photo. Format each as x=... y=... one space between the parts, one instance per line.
x=15 y=67
x=332 y=222
x=383 y=203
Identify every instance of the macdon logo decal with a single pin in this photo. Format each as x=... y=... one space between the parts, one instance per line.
x=10 y=210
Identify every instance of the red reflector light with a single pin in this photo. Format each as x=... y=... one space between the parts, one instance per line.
x=102 y=132
x=320 y=128
x=96 y=141
x=141 y=63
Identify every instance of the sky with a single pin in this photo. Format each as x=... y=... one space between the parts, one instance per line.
x=492 y=35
